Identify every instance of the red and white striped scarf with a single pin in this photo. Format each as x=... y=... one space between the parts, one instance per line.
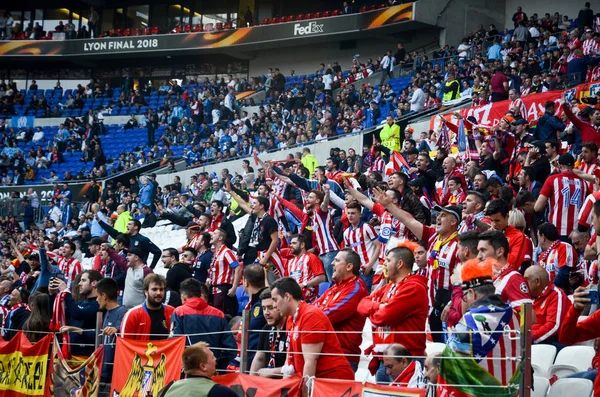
x=59 y=319
x=14 y=309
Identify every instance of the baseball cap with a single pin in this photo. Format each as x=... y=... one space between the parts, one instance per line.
x=193 y=225
x=136 y=251
x=566 y=159
x=520 y=122
x=474 y=274
x=97 y=241
x=539 y=144
x=451 y=209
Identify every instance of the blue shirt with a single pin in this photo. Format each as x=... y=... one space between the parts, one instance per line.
x=96 y=230
x=494 y=52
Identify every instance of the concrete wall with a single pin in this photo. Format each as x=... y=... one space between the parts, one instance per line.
x=541 y=7
x=320 y=150
x=458 y=17
x=305 y=59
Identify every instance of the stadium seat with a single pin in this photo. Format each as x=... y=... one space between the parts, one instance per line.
x=208 y=27
x=571 y=387
x=228 y=25
x=434 y=347
x=570 y=360
x=199 y=28
x=265 y=21
x=540 y=386
x=542 y=357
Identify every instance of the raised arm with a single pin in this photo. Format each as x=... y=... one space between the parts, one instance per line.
x=325 y=203
x=243 y=205
x=404 y=217
x=361 y=198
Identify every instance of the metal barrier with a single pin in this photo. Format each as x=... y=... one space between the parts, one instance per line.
x=14 y=207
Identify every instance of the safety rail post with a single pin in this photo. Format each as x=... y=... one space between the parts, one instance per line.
x=98 y=338
x=526 y=375
x=244 y=345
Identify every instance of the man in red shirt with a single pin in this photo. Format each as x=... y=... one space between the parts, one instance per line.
x=151 y=320
x=340 y=302
x=314 y=348
x=565 y=193
x=306 y=268
x=398 y=310
x=517 y=254
x=510 y=285
x=499 y=84
x=442 y=247
x=550 y=304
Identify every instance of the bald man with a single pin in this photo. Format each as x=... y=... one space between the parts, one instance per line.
x=450 y=168
x=550 y=304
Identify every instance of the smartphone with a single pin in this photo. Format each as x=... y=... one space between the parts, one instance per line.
x=593 y=296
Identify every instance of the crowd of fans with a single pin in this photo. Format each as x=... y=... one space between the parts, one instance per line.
x=418 y=238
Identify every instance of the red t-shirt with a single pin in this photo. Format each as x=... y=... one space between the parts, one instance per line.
x=497 y=83
x=333 y=364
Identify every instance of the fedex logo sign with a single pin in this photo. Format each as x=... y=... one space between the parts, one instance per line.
x=310 y=28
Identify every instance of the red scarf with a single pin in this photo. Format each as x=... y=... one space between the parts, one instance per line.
x=544 y=255
x=59 y=319
x=13 y=309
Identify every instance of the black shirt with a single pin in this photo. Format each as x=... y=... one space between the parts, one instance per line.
x=158 y=324
x=273 y=342
x=261 y=232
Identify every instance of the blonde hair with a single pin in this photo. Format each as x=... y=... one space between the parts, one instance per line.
x=194 y=355
x=517 y=219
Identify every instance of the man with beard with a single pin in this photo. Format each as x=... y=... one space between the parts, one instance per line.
x=271 y=353
x=79 y=315
x=473 y=212
x=306 y=268
x=151 y=320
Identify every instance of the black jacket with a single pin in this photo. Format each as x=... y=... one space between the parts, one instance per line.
x=176 y=274
x=149 y=221
x=412 y=205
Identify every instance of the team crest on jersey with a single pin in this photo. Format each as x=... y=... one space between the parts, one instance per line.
x=256 y=311
x=136 y=243
x=295 y=333
x=524 y=288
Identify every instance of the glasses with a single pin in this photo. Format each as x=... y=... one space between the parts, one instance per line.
x=465 y=295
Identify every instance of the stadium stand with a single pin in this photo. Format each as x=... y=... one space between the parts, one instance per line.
x=416 y=254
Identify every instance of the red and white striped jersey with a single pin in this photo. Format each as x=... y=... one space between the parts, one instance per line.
x=565 y=192
x=361 y=239
x=589 y=169
x=590 y=46
x=70 y=268
x=585 y=214
x=525 y=90
x=275 y=208
x=278 y=187
x=512 y=287
x=593 y=75
x=323 y=230
x=563 y=254
x=519 y=104
x=303 y=269
x=378 y=165
x=223 y=264
x=446 y=258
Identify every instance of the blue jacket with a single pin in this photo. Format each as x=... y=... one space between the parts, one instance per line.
x=194 y=317
x=547 y=127
x=145 y=192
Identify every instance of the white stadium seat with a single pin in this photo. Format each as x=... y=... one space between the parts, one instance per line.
x=570 y=360
x=542 y=357
x=571 y=387
x=540 y=386
x=434 y=347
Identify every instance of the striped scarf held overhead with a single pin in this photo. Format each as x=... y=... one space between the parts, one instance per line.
x=59 y=319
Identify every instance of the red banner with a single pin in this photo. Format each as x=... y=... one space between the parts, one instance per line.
x=24 y=367
x=145 y=366
x=247 y=385
x=81 y=381
x=533 y=106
